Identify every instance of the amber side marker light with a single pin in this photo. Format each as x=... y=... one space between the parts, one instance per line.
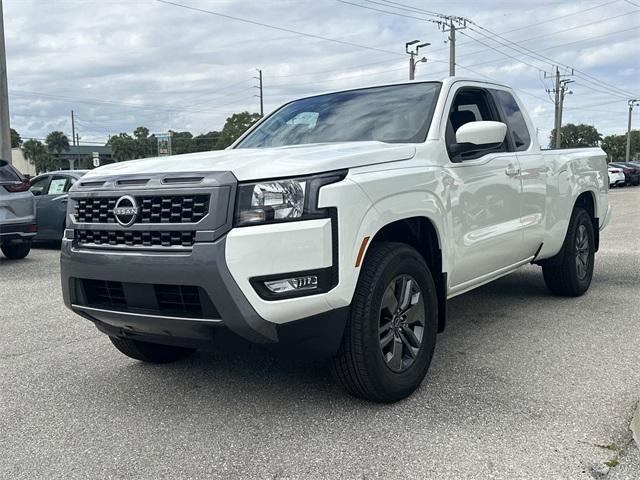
x=363 y=247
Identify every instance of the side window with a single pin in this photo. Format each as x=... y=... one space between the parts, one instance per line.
x=57 y=186
x=71 y=181
x=515 y=120
x=471 y=105
x=38 y=185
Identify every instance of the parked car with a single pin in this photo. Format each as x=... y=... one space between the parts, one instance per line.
x=631 y=172
x=17 y=213
x=616 y=177
x=51 y=192
x=341 y=221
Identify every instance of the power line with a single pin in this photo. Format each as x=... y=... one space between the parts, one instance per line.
x=534 y=53
x=382 y=11
x=527 y=52
x=331 y=71
x=98 y=101
x=274 y=27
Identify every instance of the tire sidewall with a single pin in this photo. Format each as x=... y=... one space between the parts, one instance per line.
x=581 y=218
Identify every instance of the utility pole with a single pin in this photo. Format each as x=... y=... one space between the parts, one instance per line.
x=5 y=132
x=77 y=140
x=560 y=90
x=451 y=24
x=412 y=56
x=452 y=50
x=632 y=103
x=564 y=90
x=73 y=129
x=259 y=78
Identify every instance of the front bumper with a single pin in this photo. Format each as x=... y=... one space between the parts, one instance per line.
x=203 y=267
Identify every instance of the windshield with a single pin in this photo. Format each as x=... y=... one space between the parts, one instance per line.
x=393 y=114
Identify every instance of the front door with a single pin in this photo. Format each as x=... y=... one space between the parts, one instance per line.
x=51 y=208
x=486 y=197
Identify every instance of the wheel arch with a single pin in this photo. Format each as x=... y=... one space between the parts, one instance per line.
x=588 y=201
x=421 y=233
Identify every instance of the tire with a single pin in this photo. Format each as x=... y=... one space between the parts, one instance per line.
x=150 y=352
x=365 y=367
x=16 y=251
x=571 y=277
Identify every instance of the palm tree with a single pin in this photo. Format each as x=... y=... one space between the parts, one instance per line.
x=37 y=154
x=57 y=142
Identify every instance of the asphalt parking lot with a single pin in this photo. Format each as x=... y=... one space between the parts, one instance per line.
x=523 y=385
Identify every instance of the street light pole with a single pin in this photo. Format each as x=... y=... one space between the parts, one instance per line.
x=5 y=133
x=632 y=103
x=412 y=56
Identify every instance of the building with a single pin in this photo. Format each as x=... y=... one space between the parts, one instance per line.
x=23 y=165
x=77 y=157
x=81 y=156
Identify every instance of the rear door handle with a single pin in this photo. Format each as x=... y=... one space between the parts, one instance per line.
x=512 y=170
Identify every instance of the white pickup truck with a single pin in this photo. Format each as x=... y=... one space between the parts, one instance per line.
x=341 y=222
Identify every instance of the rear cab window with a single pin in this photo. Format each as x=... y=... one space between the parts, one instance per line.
x=516 y=124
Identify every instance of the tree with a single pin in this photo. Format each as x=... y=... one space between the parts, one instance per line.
x=575 y=136
x=146 y=146
x=235 y=126
x=205 y=142
x=38 y=154
x=180 y=142
x=57 y=142
x=16 y=140
x=123 y=147
x=616 y=146
x=141 y=133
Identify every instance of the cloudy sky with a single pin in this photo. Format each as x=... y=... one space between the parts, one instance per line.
x=123 y=63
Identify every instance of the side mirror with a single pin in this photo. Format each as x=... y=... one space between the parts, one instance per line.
x=475 y=137
x=481 y=133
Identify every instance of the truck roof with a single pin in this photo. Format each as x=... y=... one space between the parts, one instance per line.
x=446 y=82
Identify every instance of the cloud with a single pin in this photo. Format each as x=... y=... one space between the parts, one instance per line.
x=120 y=64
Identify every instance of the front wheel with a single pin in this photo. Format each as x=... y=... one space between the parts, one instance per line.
x=571 y=276
x=150 y=352
x=390 y=335
x=16 y=251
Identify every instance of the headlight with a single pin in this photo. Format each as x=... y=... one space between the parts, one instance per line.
x=272 y=201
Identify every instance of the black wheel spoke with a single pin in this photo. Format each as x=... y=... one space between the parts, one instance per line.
x=411 y=337
x=411 y=350
x=395 y=362
x=404 y=297
x=386 y=340
x=389 y=301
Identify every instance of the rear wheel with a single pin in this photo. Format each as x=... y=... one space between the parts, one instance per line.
x=150 y=352
x=572 y=275
x=16 y=251
x=390 y=336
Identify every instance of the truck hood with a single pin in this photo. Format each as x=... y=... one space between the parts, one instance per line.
x=259 y=163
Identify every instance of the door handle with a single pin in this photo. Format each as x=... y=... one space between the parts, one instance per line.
x=512 y=170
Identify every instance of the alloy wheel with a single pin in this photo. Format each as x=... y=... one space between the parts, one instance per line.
x=401 y=323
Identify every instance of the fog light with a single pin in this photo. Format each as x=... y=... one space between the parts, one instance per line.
x=295 y=284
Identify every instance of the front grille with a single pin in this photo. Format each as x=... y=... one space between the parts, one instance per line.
x=169 y=300
x=179 y=298
x=133 y=238
x=106 y=294
x=152 y=209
